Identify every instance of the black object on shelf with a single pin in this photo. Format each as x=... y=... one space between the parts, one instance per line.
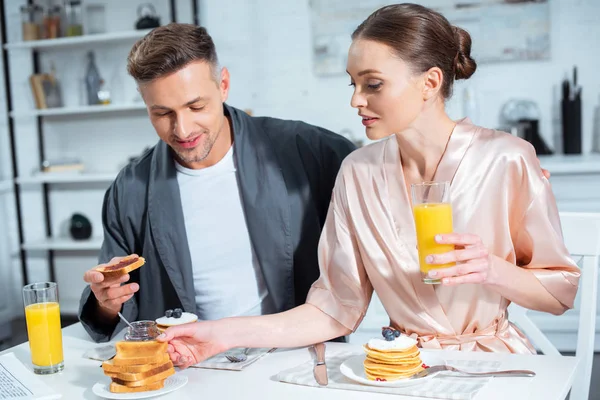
x=80 y=227
x=531 y=133
x=147 y=17
x=571 y=115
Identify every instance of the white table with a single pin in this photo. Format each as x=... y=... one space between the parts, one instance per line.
x=553 y=380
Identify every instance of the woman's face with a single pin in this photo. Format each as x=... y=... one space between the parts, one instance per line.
x=388 y=96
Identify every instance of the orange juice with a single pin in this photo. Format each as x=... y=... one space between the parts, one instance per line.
x=45 y=336
x=432 y=219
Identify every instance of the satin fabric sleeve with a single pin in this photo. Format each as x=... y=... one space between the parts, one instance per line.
x=540 y=248
x=343 y=290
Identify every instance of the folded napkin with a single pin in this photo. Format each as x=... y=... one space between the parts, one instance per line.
x=220 y=362
x=438 y=387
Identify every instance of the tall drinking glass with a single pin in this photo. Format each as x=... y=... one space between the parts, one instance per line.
x=42 y=315
x=433 y=216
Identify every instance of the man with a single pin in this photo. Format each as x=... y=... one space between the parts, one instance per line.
x=227 y=209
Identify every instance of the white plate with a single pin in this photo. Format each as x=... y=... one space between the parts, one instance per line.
x=173 y=382
x=354 y=369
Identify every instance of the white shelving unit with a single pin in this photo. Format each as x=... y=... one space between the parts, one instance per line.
x=77 y=41
x=64 y=244
x=103 y=137
x=82 y=110
x=67 y=178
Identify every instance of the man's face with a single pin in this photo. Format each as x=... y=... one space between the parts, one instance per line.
x=186 y=110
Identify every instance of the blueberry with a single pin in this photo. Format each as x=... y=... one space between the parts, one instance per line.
x=169 y=313
x=386 y=331
x=389 y=338
x=397 y=333
x=177 y=313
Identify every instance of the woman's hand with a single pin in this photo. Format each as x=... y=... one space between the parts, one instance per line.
x=472 y=258
x=190 y=344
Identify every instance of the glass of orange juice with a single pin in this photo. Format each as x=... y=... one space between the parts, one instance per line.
x=42 y=315
x=433 y=216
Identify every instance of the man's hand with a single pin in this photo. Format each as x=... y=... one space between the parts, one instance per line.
x=110 y=293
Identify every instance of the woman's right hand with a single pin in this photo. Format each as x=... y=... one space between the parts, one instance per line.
x=191 y=344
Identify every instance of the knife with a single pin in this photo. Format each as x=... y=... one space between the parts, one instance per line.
x=320 y=369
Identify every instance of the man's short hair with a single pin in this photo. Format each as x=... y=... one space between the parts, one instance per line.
x=169 y=48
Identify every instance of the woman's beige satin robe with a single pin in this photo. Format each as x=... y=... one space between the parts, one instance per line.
x=498 y=193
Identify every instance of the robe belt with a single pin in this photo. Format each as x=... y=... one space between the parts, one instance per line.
x=497 y=328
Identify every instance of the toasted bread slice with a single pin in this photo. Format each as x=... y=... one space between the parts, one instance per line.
x=138 y=353
x=121 y=267
x=116 y=388
x=138 y=376
x=110 y=368
x=146 y=348
x=161 y=376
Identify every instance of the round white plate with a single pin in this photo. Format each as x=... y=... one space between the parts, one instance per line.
x=354 y=369
x=173 y=382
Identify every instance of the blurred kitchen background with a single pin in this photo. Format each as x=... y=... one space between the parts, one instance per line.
x=70 y=117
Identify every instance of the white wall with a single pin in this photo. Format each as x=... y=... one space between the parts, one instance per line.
x=267 y=46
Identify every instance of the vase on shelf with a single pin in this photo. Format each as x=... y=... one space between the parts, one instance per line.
x=93 y=81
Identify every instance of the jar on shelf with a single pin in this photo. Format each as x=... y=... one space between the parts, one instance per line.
x=52 y=22
x=31 y=18
x=74 y=24
x=140 y=331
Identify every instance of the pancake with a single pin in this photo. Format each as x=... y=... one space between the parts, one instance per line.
x=391 y=360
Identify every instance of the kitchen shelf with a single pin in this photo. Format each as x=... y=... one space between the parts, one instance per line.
x=64 y=244
x=79 y=110
x=65 y=177
x=77 y=40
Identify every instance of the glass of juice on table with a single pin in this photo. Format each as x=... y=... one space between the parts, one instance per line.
x=42 y=315
x=433 y=216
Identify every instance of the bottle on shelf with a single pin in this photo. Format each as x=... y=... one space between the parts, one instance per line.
x=92 y=81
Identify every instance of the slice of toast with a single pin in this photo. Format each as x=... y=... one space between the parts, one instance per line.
x=136 y=353
x=138 y=376
x=119 y=268
x=109 y=366
x=161 y=376
x=116 y=388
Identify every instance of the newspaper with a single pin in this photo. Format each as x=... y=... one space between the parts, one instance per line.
x=17 y=382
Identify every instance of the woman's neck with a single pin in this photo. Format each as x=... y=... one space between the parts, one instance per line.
x=423 y=144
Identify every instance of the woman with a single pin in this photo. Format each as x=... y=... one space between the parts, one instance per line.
x=402 y=63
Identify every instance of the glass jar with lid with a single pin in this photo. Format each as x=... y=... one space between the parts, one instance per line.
x=73 y=22
x=31 y=19
x=52 y=22
x=141 y=331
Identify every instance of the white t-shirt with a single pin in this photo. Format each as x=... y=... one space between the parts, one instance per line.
x=228 y=280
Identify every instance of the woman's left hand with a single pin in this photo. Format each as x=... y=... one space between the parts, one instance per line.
x=472 y=257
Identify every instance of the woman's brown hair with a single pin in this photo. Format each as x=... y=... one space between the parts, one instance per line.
x=423 y=38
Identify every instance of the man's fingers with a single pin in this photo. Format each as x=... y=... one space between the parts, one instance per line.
x=92 y=276
x=120 y=291
x=116 y=303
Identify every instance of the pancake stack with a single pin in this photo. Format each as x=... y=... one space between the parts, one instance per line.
x=396 y=357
